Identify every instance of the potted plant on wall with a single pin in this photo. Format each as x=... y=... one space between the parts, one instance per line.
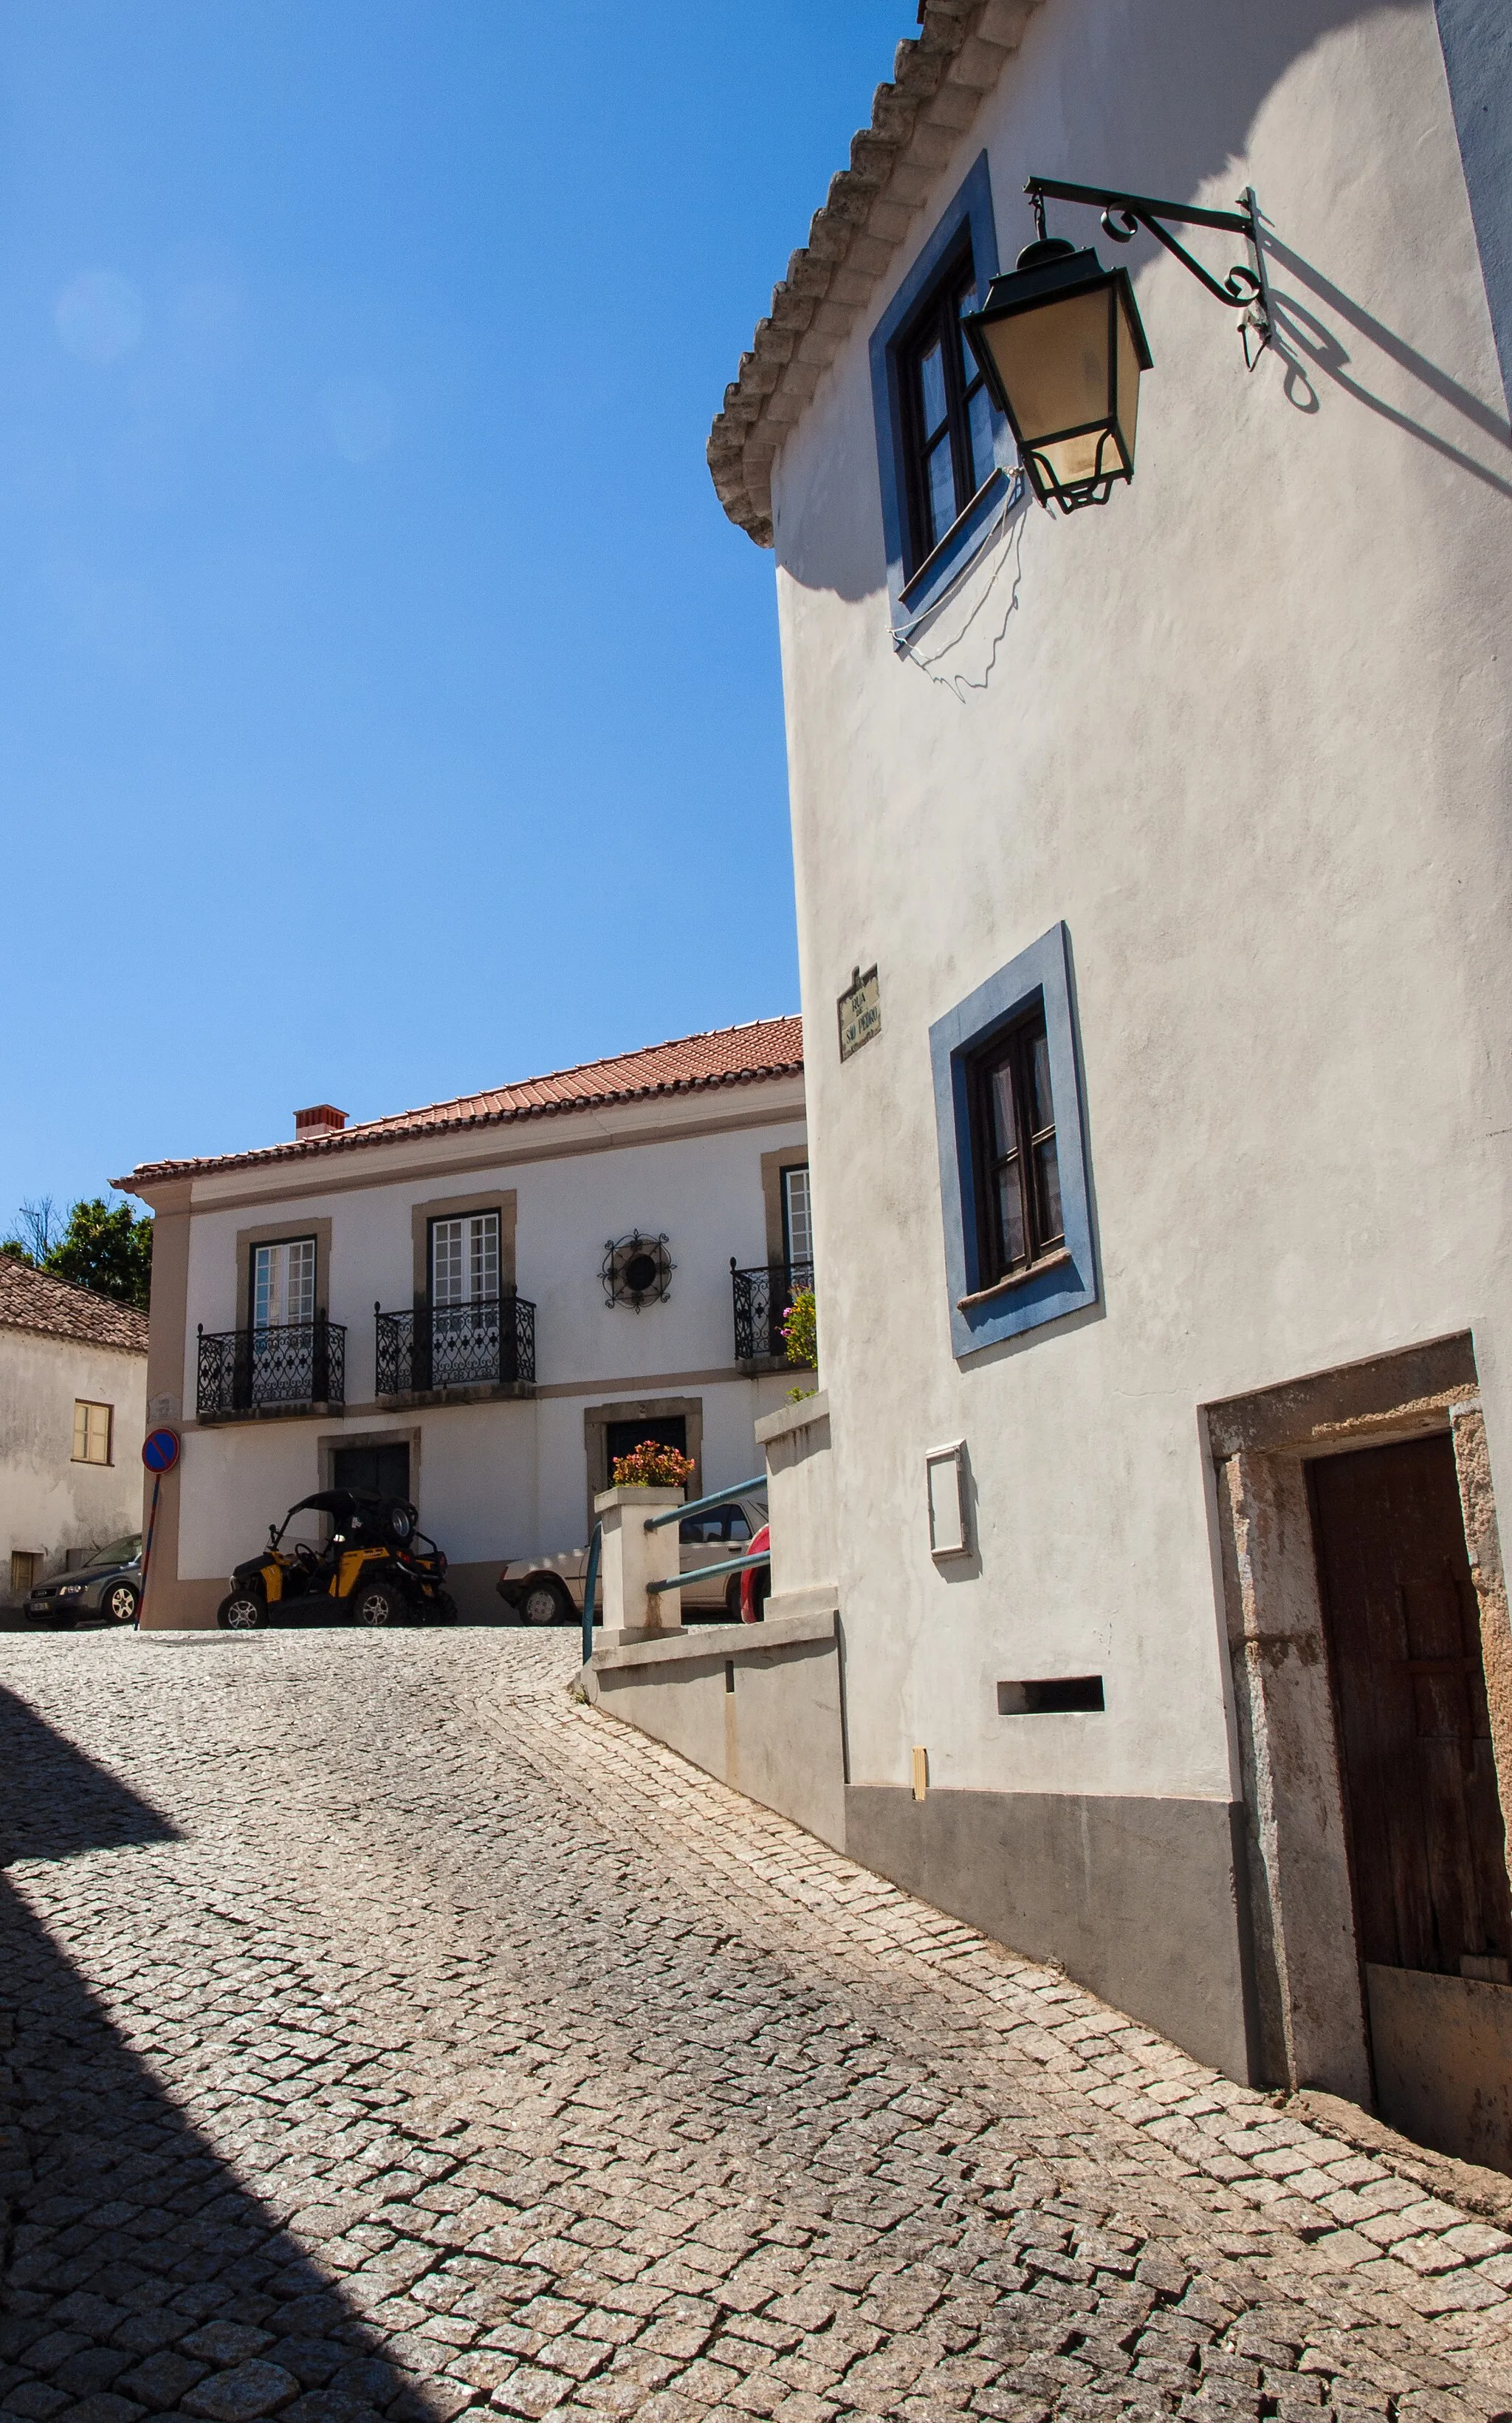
x=650 y=1466
x=800 y=1337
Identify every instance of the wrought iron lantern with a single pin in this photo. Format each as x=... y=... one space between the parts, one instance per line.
x=637 y=1270
x=1062 y=345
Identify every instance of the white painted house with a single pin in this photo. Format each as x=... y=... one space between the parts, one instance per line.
x=478 y=1305
x=1152 y=873
x=72 y=1412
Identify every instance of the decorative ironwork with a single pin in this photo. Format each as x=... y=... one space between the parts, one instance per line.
x=1244 y=290
x=637 y=1270
x=488 y=1342
x=295 y=1363
x=763 y=1300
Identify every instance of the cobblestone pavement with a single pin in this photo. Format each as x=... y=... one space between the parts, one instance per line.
x=395 y=2036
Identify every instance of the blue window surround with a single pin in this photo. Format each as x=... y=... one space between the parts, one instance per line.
x=1066 y=1285
x=1477 y=36
x=910 y=598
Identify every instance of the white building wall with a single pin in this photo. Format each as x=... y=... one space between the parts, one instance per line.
x=48 y=1503
x=503 y=1479
x=1246 y=732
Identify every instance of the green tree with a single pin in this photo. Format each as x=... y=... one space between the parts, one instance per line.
x=107 y=1248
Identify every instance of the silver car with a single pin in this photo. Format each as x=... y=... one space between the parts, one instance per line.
x=108 y=1590
x=549 y=1590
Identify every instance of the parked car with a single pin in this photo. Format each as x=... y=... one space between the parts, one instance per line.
x=375 y=1569
x=108 y=1590
x=549 y=1590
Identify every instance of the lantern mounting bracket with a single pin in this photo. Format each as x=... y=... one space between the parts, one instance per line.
x=1244 y=290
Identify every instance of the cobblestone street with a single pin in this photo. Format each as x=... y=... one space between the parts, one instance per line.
x=394 y=2035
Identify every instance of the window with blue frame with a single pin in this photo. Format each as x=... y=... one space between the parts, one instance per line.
x=1014 y=1184
x=944 y=454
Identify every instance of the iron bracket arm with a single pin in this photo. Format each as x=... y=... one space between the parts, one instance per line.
x=1245 y=289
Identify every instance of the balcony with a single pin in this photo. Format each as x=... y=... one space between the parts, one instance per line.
x=474 y=1349
x=762 y=1298
x=299 y=1366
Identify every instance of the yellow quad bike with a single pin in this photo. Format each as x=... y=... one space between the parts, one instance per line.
x=375 y=1569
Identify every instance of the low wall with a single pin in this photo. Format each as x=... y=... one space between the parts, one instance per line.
x=800 y=1497
x=758 y=1707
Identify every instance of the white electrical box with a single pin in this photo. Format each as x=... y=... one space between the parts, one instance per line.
x=950 y=1529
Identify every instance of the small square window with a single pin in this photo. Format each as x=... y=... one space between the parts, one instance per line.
x=1012 y=1155
x=92 y=1433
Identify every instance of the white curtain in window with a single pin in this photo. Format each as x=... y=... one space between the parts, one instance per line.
x=283 y=1283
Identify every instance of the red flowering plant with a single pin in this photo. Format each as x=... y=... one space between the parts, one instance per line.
x=650 y=1466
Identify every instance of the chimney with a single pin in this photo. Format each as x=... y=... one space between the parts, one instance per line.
x=321 y=1119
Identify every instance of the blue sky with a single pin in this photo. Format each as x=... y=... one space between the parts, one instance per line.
x=387 y=708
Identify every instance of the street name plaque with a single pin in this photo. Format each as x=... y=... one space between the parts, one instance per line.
x=860 y=1012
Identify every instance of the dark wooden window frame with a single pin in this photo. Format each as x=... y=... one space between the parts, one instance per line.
x=937 y=319
x=1012 y=1043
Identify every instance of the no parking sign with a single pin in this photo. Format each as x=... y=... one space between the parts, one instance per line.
x=161 y=1449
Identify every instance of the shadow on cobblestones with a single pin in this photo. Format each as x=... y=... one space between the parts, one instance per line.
x=139 y=2276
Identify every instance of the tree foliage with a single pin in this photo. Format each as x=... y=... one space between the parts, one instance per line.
x=101 y=1246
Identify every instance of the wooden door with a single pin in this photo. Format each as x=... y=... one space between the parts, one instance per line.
x=1429 y=1864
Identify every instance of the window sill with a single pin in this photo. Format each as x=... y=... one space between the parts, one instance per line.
x=1060 y=1259
x=942 y=560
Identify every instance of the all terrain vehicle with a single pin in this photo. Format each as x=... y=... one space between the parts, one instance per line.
x=375 y=1569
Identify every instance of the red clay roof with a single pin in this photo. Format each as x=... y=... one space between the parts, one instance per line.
x=31 y=1299
x=731 y=1055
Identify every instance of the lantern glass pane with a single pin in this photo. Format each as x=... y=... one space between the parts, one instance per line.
x=1129 y=385
x=1052 y=360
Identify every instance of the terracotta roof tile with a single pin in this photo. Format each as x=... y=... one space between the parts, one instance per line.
x=30 y=1299
x=731 y=1055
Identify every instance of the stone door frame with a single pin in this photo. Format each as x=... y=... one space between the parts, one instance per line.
x=1309 y=2022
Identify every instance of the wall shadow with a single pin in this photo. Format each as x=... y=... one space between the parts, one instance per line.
x=135 y=2270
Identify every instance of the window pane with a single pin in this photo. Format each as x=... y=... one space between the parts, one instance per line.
x=980 y=413
x=739 y=1528
x=1042 y=1113
x=940 y=473
x=447 y=1262
x=1001 y=1110
x=300 y=1281
x=1010 y=1215
x=81 y=1433
x=1048 y=1193
x=932 y=388
x=484 y=1256
x=799 y=1226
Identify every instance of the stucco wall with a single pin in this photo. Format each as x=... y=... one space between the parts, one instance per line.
x=1246 y=732
x=48 y=1502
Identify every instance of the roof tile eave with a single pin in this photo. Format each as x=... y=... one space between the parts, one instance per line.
x=504 y=1106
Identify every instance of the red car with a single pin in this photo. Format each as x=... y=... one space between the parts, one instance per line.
x=756 y=1581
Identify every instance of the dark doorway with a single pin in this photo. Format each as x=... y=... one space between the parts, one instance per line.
x=1427 y=1847
x=385 y=1468
x=669 y=1430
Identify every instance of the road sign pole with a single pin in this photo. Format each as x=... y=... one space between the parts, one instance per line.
x=147 y=1551
x=161 y=1450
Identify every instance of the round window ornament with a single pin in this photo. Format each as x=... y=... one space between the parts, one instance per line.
x=637 y=1270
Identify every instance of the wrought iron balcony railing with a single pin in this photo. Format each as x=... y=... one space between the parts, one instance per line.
x=491 y=1340
x=762 y=1298
x=298 y=1363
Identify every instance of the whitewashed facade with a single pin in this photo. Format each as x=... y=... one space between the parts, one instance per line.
x=1213 y=780
x=320 y=1311
x=72 y=1398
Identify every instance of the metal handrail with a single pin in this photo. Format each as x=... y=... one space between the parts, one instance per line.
x=708 y=1573
x=697 y=1505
